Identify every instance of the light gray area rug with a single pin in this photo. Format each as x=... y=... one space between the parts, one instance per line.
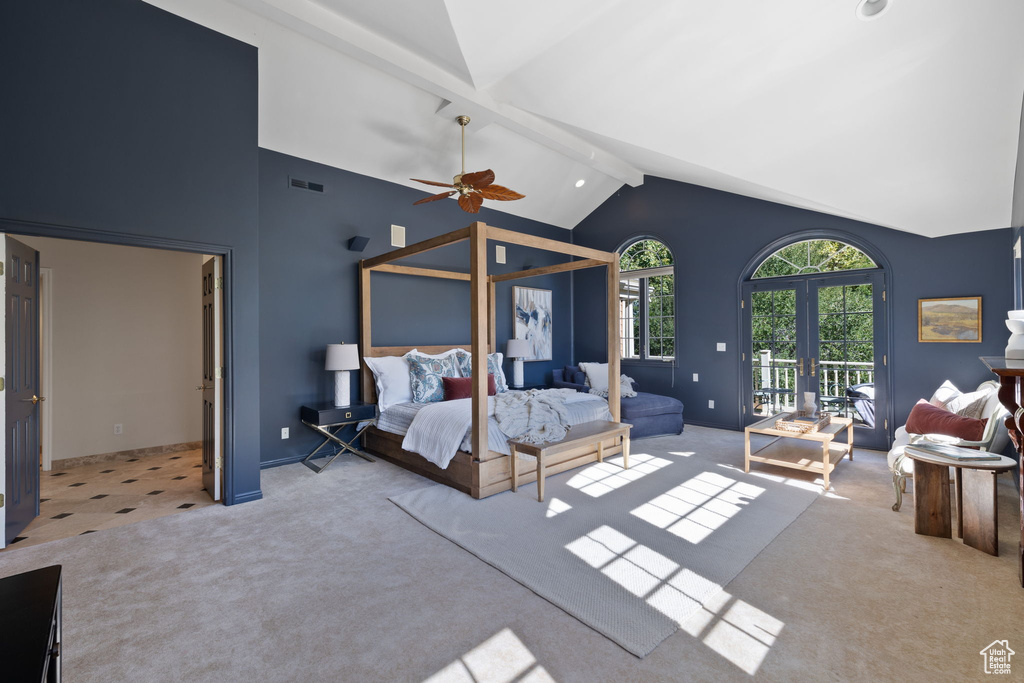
x=631 y=553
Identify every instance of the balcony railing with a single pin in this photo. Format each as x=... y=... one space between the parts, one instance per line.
x=775 y=383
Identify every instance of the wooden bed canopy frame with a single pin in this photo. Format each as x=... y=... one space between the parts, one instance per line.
x=485 y=475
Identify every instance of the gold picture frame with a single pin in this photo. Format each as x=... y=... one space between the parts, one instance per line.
x=951 y=320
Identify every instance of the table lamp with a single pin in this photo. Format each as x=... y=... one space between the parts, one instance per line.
x=517 y=350
x=340 y=359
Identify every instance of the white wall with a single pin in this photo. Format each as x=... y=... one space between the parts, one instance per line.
x=127 y=334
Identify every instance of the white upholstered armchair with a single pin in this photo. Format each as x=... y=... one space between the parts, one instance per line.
x=993 y=439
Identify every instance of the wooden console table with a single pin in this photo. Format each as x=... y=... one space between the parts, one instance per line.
x=1011 y=374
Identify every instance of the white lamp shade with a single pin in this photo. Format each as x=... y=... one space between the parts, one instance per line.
x=517 y=348
x=342 y=357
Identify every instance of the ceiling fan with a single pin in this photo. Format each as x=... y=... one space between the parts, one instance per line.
x=472 y=188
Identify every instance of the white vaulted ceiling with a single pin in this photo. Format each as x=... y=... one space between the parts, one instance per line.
x=908 y=121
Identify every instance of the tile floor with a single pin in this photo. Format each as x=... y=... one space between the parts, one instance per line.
x=90 y=498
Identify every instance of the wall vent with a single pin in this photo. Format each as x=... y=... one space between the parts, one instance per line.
x=305 y=185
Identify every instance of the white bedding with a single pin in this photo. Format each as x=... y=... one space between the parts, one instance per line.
x=438 y=430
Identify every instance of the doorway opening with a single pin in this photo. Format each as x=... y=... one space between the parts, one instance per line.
x=815 y=326
x=122 y=356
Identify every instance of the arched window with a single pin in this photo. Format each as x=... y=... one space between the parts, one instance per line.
x=647 y=304
x=813 y=256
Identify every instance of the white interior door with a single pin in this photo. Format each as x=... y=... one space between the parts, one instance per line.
x=213 y=378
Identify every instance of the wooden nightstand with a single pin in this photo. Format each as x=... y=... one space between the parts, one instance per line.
x=327 y=420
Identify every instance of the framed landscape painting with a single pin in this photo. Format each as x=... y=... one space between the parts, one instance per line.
x=532 y=320
x=949 y=320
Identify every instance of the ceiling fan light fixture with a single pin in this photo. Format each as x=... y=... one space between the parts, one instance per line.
x=867 y=10
x=472 y=188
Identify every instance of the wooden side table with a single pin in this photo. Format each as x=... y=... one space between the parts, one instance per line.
x=977 y=516
x=328 y=420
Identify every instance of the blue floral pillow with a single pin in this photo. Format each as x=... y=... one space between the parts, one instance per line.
x=465 y=359
x=425 y=375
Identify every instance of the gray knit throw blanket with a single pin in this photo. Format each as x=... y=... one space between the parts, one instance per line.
x=534 y=416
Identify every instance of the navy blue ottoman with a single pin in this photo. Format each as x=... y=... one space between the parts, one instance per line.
x=650 y=414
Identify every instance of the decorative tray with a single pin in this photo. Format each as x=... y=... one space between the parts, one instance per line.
x=802 y=423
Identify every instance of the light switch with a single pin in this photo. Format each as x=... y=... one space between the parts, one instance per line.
x=711 y=404
x=499 y=254
x=695 y=377
x=397 y=236
x=721 y=346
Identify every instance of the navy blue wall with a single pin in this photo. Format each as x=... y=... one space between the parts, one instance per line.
x=309 y=288
x=715 y=234
x=123 y=122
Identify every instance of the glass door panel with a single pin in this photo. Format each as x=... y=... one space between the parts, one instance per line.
x=774 y=347
x=846 y=351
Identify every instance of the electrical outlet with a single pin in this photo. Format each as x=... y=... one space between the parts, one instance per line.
x=118 y=430
x=499 y=254
x=711 y=404
x=695 y=379
x=397 y=236
x=721 y=346
x=284 y=432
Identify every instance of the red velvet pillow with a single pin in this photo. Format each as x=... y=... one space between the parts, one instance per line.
x=928 y=419
x=462 y=387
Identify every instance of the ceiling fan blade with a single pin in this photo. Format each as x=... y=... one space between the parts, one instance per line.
x=434 y=198
x=478 y=179
x=470 y=203
x=502 y=194
x=432 y=182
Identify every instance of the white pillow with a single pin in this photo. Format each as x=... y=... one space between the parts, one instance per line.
x=944 y=394
x=391 y=375
x=970 y=405
x=597 y=376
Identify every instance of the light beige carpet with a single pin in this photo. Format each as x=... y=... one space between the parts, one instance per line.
x=326 y=580
x=631 y=553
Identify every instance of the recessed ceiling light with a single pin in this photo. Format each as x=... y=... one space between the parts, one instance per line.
x=872 y=9
x=580 y=182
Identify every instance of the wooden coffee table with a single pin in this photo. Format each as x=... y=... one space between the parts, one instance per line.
x=798 y=461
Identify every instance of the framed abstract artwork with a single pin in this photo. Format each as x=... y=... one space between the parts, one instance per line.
x=949 y=320
x=531 y=311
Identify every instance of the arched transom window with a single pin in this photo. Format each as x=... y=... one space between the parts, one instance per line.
x=647 y=306
x=813 y=256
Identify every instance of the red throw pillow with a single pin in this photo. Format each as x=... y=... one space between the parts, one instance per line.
x=462 y=387
x=928 y=419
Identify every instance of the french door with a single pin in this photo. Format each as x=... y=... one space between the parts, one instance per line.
x=823 y=334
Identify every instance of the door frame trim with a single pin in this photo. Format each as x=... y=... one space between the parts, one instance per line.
x=30 y=228
x=46 y=363
x=816 y=234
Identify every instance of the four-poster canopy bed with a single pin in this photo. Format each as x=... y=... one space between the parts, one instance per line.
x=484 y=472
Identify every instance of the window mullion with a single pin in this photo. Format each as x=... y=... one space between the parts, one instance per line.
x=645 y=320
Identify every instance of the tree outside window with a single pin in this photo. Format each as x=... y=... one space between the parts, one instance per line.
x=647 y=309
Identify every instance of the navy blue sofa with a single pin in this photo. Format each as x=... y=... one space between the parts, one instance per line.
x=650 y=414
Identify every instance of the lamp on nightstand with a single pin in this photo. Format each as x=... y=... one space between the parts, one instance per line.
x=341 y=358
x=517 y=350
